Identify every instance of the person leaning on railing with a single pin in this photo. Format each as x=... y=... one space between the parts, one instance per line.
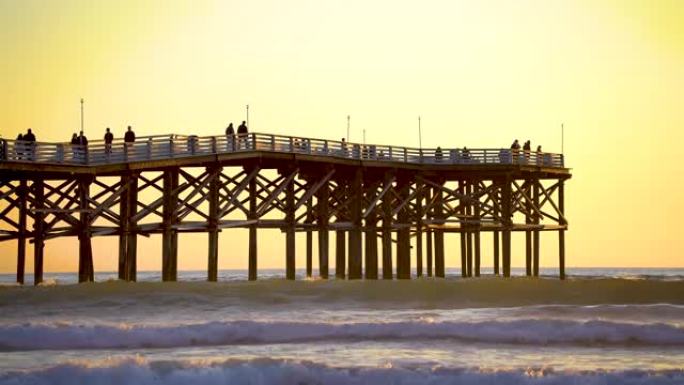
x=108 y=139
x=242 y=132
x=230 y=136
x=129 y=139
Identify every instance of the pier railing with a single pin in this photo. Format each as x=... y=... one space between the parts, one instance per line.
x=158 y=147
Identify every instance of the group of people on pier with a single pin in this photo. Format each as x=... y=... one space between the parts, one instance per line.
x=242 y=135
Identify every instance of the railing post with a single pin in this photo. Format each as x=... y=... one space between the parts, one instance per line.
x=254 y=142
x=390 y=152
x=272 y=142
x=125 y=152
x=308 y=146
x=291 y=144
x=420 y=154
x=213 y=145
x=149 y=148
x=405 y=155
x=325 y=147
x=3 y=149
x=171 y=147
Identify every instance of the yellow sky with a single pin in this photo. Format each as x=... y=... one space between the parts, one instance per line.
x=480 y=73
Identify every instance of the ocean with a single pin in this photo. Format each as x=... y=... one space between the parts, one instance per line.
x=600 y=326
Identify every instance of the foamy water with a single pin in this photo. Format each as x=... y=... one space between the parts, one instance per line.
x=602 y=326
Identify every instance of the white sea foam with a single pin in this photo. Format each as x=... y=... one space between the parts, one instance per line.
x=270 y=371
x=64 y=335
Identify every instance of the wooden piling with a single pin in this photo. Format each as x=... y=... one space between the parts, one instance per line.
x=404 y=234
x=427 y=196
x=213 y=231
x=371 y=241
x=535 y=233
x=419 y=226
x=290 y=231
x=528 y=233
x=387 y=270
x=22 y=193
x=507 y=216
x=355 y=246
x=123 y=225
x=323 y=195
x=463 y=234
x=309 y=239
x=476 y=233
x=85 y=251
x=439 y=234
x=561 y=232
x=132 y=235
x=38 y=188
x=252 y=257
x=340 y=254
x=495 y=237
x=169 y=234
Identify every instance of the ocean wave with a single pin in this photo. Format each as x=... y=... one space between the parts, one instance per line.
x=63 y=335
x=272 y=371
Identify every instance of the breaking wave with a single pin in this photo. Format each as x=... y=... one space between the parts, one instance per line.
x=137 y=370
x=63 y=335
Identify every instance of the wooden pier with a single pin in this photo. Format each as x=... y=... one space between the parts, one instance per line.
x=374 y=198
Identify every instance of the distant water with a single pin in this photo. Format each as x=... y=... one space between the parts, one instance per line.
x=601 y=326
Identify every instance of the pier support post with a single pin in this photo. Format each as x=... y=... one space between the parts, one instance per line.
x=38 y=230
x=212 y=260
x=309 y=239
x=290 y=230
x=561 y=232
x=404 y=233
x=323 y=197
x=355 y=247
x=528 y=233
x=476 y=233
x=371 y=239
x=420 y=186
x=495 y=235
x=506 y=215
x=463 y=234
x=131 y=261
x=340 y=254
x=169 y=234
x=535 y=233
x=252 y=257
x=85 y=249
x=22 y=193
x=439 y=234
x=428 y=232
x=387 y=269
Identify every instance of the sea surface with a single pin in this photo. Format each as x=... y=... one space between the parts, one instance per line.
x=600 y=326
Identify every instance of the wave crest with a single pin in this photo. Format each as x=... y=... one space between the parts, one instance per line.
x=62 y=335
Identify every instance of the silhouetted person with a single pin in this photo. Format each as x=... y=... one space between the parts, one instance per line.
x=31 y=145
x=29 y=137
x=230 y=130
x=438 y=154
x=129 y=136
x=82 y=139
x=108 y=138
x=343 y=147
x=515 y=150
x=527 y=147
x=74 y=138
x=540 y=155
x=466 y=153
x=242 y=133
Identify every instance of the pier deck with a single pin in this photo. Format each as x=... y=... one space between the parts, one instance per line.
x=371 y=196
